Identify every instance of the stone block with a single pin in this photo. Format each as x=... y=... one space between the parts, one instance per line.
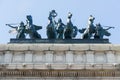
x=18 y=57
x=8 y=57
x=60 y=47
x=40 y=47
x=115 y=47
x=79 y=57
x=3 y=47
x=108 y=66
x=68 y=78
x=1 y=57
x=59 y=57
x=38 y=57
x=89 y=66
x=79 y=47
x=77 y=66
x=69 y=56
x=28 y=56
x=117 y=57
x=98 y=66
x=117 y=66
x=18 y=47
x=100 y=57
x=100 y=47
x=59 y=66
x=40 y=66
x=20 y=66
x=28 y=66
x=49 y=56
x=11 y=66
x=110 y=56
x=24 y=66
x=89 y=56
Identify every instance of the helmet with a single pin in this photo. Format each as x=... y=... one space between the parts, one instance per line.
x=21 y=23
x=29 y=17
x=98 y=24
x=59 y=20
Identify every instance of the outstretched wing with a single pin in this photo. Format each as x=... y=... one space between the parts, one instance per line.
x=37 y=27
x=13 y=31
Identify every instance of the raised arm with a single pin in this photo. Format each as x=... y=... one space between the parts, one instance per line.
x=10 y=26
x=109 y=28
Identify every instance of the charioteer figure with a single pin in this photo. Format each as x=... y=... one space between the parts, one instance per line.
x=60 y=29
x=52 y=25
x=70 y=30
x=52 y=15
x=88 y=32
x=31 y=29
x=100 y=32
x=20 y=30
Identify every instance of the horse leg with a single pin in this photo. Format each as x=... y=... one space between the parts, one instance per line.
x=31 y=36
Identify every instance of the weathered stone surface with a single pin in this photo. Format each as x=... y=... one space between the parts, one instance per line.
x=58 y=66
x=28 y=66
x=18 y=57
x=100 y=57
x=40 y=47
x=38 y=57
x=79 y=57
x=90 y=56
x=98 y=66
x=69 y=56
x=18 y=47
x=1 y=57
x=77 y=66
x=24 y=66
x=117 y=57
x=48 y=56
x=28 y=56
x=59 y=57
x=89 y=66
x=110 y=56
x=11 y=66
x=108 y=66
x=79 y=47
x=60 y=47
x=41 y=66
x=79 y=60
x=3 y=47
x=115 y=47
x=8 y=57
x=100 y=47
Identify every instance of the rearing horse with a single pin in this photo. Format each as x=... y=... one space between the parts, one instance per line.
x=69 y=29
x=90 y=29
x=51 y=27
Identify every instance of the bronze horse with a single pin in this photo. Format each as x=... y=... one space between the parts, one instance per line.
x=90 y=29
x=51 y=27
x=70 y=31
x=51 y=31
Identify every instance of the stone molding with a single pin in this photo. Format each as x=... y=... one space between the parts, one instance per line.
x=60 y=47
x=60 y=73
x=82 y=60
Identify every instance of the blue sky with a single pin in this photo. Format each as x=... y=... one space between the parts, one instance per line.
x=107 y=12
